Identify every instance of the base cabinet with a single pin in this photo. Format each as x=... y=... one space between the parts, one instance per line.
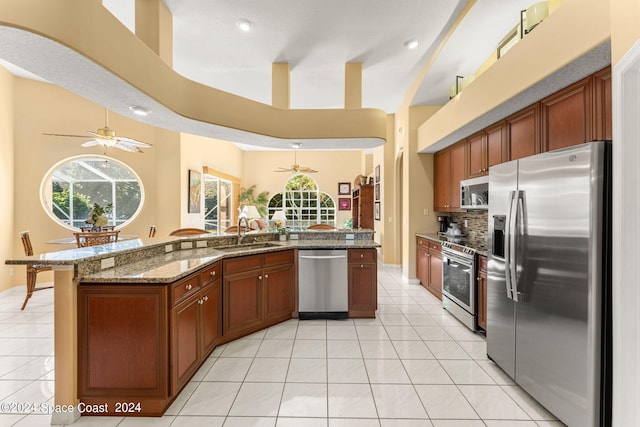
x=258 y=291
x=429 y=265
x=363 y=282
x=482 y=292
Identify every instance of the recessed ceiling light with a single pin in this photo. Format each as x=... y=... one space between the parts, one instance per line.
x=244 y=25
x=296 y=145
x=140 y=111
x=411 y=44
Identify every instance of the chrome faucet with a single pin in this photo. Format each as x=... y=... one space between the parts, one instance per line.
x=246 y=222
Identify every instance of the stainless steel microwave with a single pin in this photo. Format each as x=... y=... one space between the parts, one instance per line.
x=474 y=193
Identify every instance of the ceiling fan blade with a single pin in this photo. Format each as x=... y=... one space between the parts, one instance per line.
x=281 y=169
x=307 y=170
x=66 y=135
x=91 y=143
x=134 y=142
x=127 y=147
x=97 y=135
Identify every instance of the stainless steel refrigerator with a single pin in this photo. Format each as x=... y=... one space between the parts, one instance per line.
x=548 y=295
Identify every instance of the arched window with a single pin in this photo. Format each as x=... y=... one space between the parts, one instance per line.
x=70 y=189
x=303 y=203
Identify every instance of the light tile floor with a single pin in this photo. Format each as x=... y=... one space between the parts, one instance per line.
x=413 y=366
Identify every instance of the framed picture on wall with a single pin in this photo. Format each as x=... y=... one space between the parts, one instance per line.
x=344 y=188
x=376 y=211
x=377 y=191
x=378 y=173
x=344 y=204
x=195 y=182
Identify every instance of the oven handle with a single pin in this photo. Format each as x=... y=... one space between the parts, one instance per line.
x=446 y=256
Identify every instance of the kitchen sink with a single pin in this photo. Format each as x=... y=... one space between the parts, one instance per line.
x=247 y=247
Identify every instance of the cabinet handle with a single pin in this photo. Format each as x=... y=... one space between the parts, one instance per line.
x=361 y=255
x=188 y=287
x=212 y=273
x=361 y=266
x=206 y=298
x=266 y=276
x=259 y=277
x=200 y=301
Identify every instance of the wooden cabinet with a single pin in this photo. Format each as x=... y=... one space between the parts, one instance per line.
x=429 y=265
x=450 y=169
x=362 y=207
x=485 y=149
x=523 y=133
x=602 y=122
x=482 y=292
x=258 y=291
x=363 y=282
x=566 y=116
x=196 y=323
x=123 y=346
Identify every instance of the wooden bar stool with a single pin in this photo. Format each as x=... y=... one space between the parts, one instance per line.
x=32 y=270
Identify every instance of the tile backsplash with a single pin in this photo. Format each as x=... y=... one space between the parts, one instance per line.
x=476 y=229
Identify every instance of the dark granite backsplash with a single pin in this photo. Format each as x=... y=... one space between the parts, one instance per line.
x=477 y=226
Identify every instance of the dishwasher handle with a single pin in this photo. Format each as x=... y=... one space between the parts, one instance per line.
x=322 y=256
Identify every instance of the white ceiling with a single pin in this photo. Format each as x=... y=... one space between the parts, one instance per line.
x=318 y=37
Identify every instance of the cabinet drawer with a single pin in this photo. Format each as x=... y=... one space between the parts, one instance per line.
x=210 y=274
x=280 y=257
x=423 y=242
x=243 y=263
x=482 y=263
x=362 y=255
x=435 y=246
x=184 y=288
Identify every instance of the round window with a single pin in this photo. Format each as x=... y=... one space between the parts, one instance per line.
x=74 y=186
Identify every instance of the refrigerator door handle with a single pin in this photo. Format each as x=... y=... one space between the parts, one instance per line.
x=508 y=242
x=518 y=231
x=513 y=232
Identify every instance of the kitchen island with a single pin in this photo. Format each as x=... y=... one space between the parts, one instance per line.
x=134 y=320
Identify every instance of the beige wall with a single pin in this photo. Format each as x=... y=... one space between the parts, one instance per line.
x=625 y=31
x=7 y=235
x=417 y=186
x=196 y=152
x=332 y=167
x=386 y=228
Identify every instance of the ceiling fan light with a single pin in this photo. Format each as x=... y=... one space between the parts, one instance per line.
x=138 y=110
x=296 y=145
x=244 y=25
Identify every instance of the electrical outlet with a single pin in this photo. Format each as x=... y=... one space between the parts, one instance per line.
x=201 y=244
x=186 y=245
x=168 y=248
x=465 y=223
x=350 y=236
x=11 y=272
x=107 y=263
x=293 y=236
x=425 y=212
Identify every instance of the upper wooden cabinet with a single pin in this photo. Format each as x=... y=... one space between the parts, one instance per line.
x=485 y=149
x=566 y=116
x=523 y=133
x=362 y=207
x=450 y=169
x=602 y=124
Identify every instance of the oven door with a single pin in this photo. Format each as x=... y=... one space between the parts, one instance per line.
x=458 y=280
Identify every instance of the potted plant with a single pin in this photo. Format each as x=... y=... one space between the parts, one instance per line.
x=283 y=232
x=97 y=216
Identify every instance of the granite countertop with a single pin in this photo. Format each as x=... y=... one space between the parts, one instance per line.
x=173 y=266
x=439 y=238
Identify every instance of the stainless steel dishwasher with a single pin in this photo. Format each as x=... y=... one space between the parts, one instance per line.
x=322 y=284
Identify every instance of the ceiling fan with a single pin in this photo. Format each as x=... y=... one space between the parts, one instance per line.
x=295 y=167
x=106 y=137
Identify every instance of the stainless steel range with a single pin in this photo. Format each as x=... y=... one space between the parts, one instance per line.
x=459 y=282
